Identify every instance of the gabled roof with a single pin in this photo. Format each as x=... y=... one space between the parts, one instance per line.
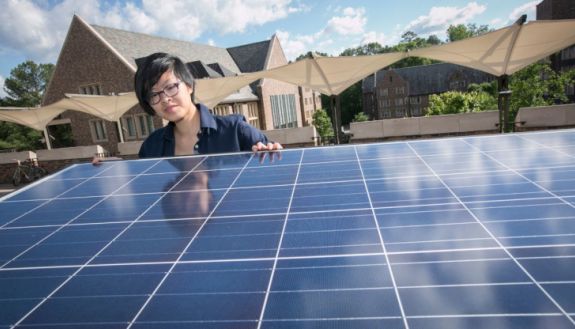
x=222 y=70
x=199 y=70
x=251 y=57
x=428 y=79
x=133 y=45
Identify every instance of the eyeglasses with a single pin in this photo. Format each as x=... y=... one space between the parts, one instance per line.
x=169 y=90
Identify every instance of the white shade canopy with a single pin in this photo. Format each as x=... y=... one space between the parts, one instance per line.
x=33 y=117
x=501 y=52
x=507 y=50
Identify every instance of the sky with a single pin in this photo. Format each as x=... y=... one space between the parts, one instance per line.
x=36 y=29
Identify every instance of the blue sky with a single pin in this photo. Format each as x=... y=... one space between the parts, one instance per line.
x=36 y=29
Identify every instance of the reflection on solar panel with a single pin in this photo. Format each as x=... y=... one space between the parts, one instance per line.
x=474 y=232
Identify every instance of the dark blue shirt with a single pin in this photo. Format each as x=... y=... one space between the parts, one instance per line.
x=218 y=134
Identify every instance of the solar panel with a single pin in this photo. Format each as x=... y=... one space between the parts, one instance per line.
x=469 y=232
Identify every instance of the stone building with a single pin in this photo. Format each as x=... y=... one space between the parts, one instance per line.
x=404 y=92
x=101 y=60
x=564 y=60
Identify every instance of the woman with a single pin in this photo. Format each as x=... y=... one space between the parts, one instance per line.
x=164 y=86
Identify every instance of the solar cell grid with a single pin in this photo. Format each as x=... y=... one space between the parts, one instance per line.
x=467 y=232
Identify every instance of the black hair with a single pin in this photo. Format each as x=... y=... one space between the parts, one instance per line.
x=150 y=69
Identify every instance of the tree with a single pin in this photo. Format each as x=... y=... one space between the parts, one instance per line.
x=372 y=48
x=351 y=102
x=322 y=124
x=25 y=87
x=309 y=54
x=360 y=117
x=538 y=85
x=433 y=40
x=453 y=102
x=27 y=83
x=410 y=40
x=488 y=87
x=460 y=32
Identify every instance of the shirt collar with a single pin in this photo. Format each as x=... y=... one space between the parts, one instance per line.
x=207 y=121
x=206 y=118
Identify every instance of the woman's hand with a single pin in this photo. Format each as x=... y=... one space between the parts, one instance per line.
x=269 y=147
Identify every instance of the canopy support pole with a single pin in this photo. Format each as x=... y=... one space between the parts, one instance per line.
x=503 y=103
x=120 y=135
x=47 y=138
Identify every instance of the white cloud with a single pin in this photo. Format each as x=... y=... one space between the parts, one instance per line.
x=351 y=23
x=528 y=8
x=496 y=23
x=38 y=31
x=195 y=17
x=2 y=92
x=439 y=19
x=294 y=46
x=373 y=36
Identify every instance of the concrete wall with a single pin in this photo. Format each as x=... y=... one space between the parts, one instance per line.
x=293 y=137
x=541 y=117
x=425 y=126
x=51 y=160
x=9 y=161
x=70 y=153
x=13 y=157
x=129 y=148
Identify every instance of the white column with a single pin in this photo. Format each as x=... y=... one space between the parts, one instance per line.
x=47 y=138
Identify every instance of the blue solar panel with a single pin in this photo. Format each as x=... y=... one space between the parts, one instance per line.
x=471 y=232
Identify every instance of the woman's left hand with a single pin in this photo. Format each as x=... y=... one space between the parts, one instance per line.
x=269 y=147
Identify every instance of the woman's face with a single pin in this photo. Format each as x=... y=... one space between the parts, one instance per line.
x=170 y=97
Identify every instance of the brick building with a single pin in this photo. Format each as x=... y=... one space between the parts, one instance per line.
x=564 y=60
x=404 y=92
x=101 y=60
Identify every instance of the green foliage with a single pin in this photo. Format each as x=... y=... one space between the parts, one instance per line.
x=309 y=55
x=351 y=103
x=372 y=48
x=488 y=87
x=27 y=83
x=62 y=135
x=322 y=124
x=538 y=85
x=20 y=138
x=460 y=32
x=25 y=87
x=409 y=41
x=453 y=102
x=360 y=117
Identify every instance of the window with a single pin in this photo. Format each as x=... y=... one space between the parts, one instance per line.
x=145 y=124
x=283 y=111
x=253 y=117
x=98 y=131
x=91 y=89
x=237 y=109
x=129 y=127
x=400 y=90
x=400 y=112
x=387 y=114
x=398 y=101
x=137 y=126
x=221 y=110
